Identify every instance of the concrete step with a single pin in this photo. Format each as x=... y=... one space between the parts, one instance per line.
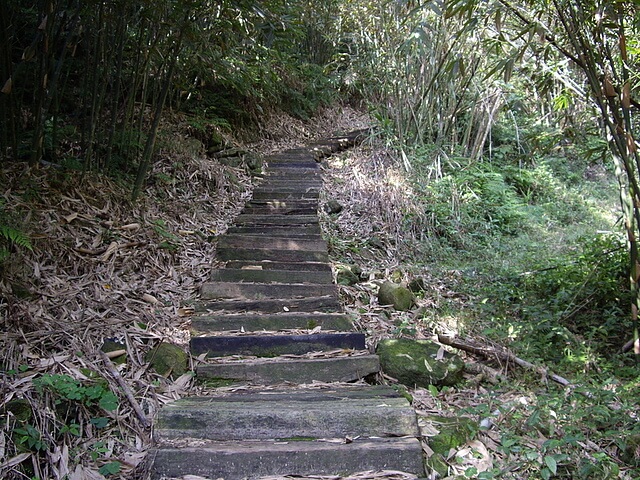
x=270 y=276
x=285 y=194
x=313 y=232
x=289 y=414
x=256 y=291
x=258 y=254
x=328 y=304
x=276 y=220
x=276 y=265
x=267 y=210
x=269 y=243
x=282 y=204
x=247 y=459
x=271 y=322
x=266 y=371
x=275 y=345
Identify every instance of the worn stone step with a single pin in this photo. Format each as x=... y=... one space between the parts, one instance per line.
x=299 y=172
x=329 y=304
x=255 y=210
x=285 y=183
x=268 y=243
x=284 y=194
x=257 y=254
x=339 y=412
x=265 y=371
x=246 y=460
x=293 y=175
x=271 y=322
x=274 y=265
x=297 y=155
x=313 y=232
x=282 y=203
x=275 y=345
x=291 y=164
x=255 y=291
x=276 y=220
x=270 y=276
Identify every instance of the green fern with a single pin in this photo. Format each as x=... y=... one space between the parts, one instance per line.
x=13 y=237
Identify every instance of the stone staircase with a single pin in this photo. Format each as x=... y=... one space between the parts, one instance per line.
x=271 y=322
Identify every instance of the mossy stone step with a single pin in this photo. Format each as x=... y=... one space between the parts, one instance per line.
x=315 y=182
x=329 y=304
x=255 y=291
x=268 y=243
x=276 y=220
x=275 y=345
x=271 y=322
x=225 y=253
x=266 y=371
x=313 y=232
x=250 y=459
x=369 y=411
x=270 y=276
x=276 y=265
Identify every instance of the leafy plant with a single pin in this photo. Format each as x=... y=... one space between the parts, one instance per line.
x=30 y=437
x=65 y=387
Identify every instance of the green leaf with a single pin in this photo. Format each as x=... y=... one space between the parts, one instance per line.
x=110 y=468
x=545 y=474
x=100 y=422
x=108 y=401
x=550 y=461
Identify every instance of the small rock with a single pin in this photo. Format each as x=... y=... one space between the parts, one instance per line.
x=346 y=276
x=376 y=242
x=254 y=163
x=393 y=294
x=417 y=285
x=333 y=207
x=415 y=363
x=168 y=359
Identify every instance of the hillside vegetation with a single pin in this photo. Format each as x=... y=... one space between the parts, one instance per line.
x=501 y=172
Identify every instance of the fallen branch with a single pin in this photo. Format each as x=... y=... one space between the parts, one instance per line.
x=502 y=355
x=127 y=391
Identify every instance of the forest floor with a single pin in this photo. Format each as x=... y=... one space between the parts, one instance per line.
x=102 y=268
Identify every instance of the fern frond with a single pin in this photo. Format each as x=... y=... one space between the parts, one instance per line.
x=15 y=237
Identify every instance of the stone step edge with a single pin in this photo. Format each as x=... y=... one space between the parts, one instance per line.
x=298 y=371
x=234 y=461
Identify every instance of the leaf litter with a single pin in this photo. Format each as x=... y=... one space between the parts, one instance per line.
x=103 y=268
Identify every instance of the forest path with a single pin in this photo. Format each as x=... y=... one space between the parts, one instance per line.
x=271 y=324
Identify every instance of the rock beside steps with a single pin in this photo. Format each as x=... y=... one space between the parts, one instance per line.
x=271 y=322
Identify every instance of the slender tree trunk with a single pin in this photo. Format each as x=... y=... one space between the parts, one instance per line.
x=145 y=162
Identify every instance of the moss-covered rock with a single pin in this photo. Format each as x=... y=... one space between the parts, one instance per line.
x=452 y=433
x=20 y=410
x=168 y=359
x=253 y=162
x=394 y=294
x=416 y=363
x=346 y=276
x=333 y=207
